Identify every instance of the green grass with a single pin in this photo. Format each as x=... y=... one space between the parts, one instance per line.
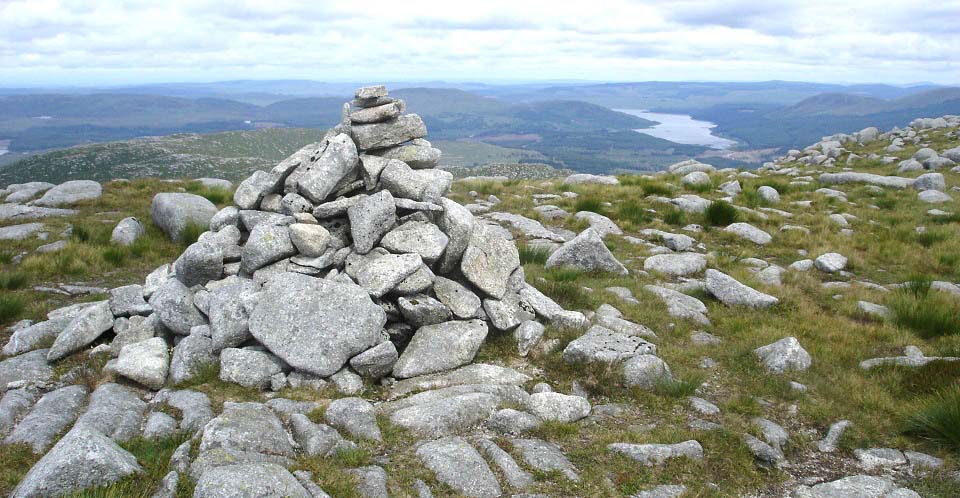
x=191 y=232
x=633 y=212
x=938 y=419
x=13 y=280
x=929 y=238
x=533 y=254
x=720 y=213
x=927 y=314
x=11 y=307
x=589 y=204
x=674 y=216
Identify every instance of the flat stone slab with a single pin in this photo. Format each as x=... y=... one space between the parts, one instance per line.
x=82 y=459
x=315 y=325
x=653 y=454
x=20 y=232
x=48 y=418
x=29 y=367
x=545 y=457
x=249 y=480
x=460 y=466
x=22 y=212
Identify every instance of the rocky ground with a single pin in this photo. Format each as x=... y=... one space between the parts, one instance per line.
x=698 y=332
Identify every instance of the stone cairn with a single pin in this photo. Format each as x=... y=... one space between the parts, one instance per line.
x=344 y=261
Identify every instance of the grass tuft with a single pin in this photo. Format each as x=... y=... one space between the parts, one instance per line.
x=533 y=254
x=191 y=233
x=11 y=306
x=13 y=280
x=930 y=238
x=720 y=213
x=928 y=314
x=674 y=216
x=591 y=204
x=938 y=419
x=633 y=212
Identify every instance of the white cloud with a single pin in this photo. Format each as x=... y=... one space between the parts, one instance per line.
x=119 y=41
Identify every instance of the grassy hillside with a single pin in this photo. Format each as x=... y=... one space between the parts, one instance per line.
x=231 y=155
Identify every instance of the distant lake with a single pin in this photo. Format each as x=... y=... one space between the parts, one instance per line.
x=680 y=128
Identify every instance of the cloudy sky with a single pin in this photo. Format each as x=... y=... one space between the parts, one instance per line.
x=98 y=42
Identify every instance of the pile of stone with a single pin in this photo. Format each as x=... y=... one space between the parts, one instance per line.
x=344 y=261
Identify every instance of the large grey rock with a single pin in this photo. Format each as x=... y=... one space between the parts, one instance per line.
x=601 y=224
x=586 y=252
x=371 y=481
x=934 y=197
x=558 y=407
x=439 y=347
x=869 y=178
x=20 y=232
x=338 y=162
x=128 y=300
x=377 y=113
x=428 y=185
x=733 y=293
x=191 y=355
x=48 y=418
x=444 y=416
x=473 y=374
x=749 y=232
x=417 y=237
x=681 y=305
x=23 y=192
x=115 y=411
x=315 y=325
x=461 y=301
x=930 y=181
x=646 y=371
x=159 y=425
x=266 y=244
x=257 y=186
x=584 y=179
x=70 y=192
x=127 y=231
x=515 y=476
x=675 y=264
x=858 y=486
x=10 y=212
x=174 y=212
x=830 y=262
x=247 y=427
x=227 y=313
x=82 y=459
x=604 y=345
x=249 y=367
x=784 y=355
x=194 y=407
x=377 y=361
x=32 y=336
x=356 y=416
x=384 y=273
x=488 y=261
x=29 y=367
x=173 y=303
x=460 y=466
x=249 y=480
x=545 y=457
x=418 y=155
x=370 y=219
x=317 y=439
x=199 y=263
x=84 y=329
x=515 y=422
x=654 y=454
x=457 y=223
x=15 y=404
x=528 y=335
x=507 y=313
x=146 y=362
x=389 y=133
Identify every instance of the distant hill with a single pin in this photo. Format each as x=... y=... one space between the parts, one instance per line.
x=843 y=104
x=762 y=126
x=231 y=155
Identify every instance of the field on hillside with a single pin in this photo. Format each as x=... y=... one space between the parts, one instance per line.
x=890 y=406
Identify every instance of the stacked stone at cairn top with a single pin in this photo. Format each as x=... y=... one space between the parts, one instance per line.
x=345 y=259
